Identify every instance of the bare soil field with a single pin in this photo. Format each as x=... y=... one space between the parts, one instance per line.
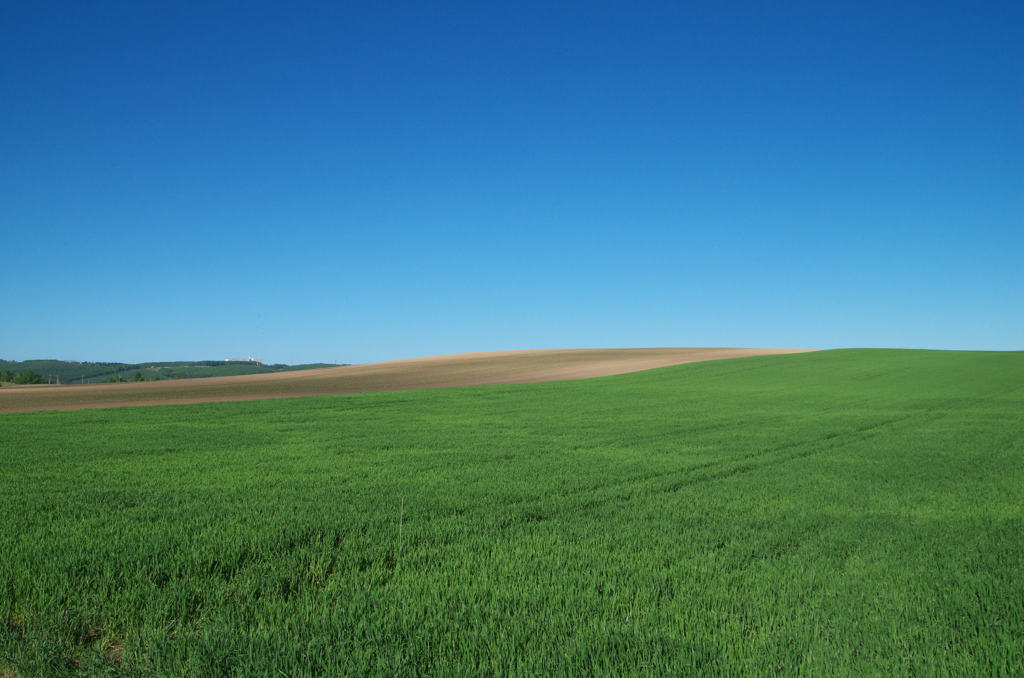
x=461 y=369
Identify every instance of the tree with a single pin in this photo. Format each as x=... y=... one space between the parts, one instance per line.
x=6 y=375
x=138 y=376
x=28 y=377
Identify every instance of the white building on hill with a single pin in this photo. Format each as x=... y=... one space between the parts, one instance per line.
x=258 y=361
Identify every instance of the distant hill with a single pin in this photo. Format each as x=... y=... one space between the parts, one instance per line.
x=71 y=372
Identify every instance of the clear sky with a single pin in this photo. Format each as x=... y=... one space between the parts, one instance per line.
x=354 y=182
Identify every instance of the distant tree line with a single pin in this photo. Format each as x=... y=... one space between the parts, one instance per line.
x=30 y=377
x=116 y=379
x=26 y=377
x=69 y=372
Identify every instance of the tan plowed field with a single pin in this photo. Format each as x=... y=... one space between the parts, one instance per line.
x=461 y=369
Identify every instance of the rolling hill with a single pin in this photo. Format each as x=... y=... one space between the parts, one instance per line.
x=463 y=369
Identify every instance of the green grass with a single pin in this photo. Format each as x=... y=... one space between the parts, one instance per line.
x=840 y=513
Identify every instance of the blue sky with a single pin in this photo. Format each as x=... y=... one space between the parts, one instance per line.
x=361 y=183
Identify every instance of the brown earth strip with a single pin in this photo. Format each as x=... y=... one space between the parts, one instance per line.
x=461 y=369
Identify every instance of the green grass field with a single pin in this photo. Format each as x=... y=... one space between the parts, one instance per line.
x=849 y=513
